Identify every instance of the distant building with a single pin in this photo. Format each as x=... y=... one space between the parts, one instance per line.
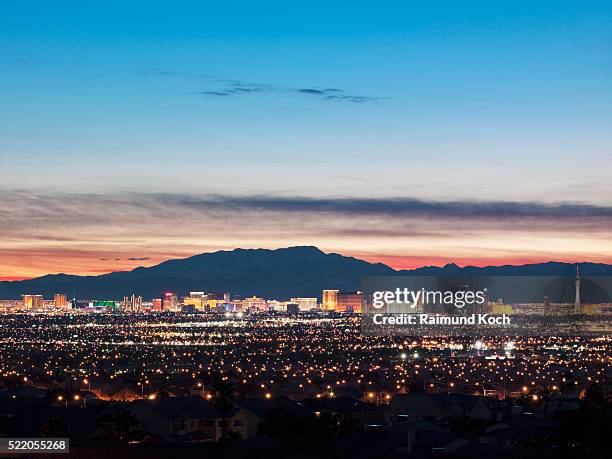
x=500 y=308
x=104 y=305
x=195 y=299
x=32 y=301
x=60 y=300
x=577 y=308
x=189 y=420
x=156 y=304
x=170 y=302
x=330 y=300
x=349 y=301
x=206 y=301
x=132 y=303
x=80 y=304
x=255 y=303
x=305 y=304
x=216 y=296
x=275 y=305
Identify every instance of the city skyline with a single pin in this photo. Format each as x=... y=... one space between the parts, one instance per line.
x=407 y=134
x=294 y=229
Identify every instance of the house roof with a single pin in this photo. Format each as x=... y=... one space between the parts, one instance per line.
x=260 y=406
x=175 y=407
x=336 y=404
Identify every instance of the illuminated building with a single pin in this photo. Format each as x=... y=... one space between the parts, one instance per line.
x=274 y=305
x=156 y=304
x=329 y=300
x=349 y=301
x=132 y=304
x=255 y=303
x=206 y=301
x=577 y=308
x=500 y=308
x=195 y=299
x=32 y=301
x=60 y=300
x=170 y=302
x=212 y=303
x=305 y=304
x=218 y=296
x=602 y=308
x=197 y=303
x=80 y=304
x=103 y=305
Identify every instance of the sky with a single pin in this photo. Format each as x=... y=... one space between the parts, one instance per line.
x=411 y=133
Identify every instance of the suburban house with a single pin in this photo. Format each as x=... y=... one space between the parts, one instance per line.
x=188 y=419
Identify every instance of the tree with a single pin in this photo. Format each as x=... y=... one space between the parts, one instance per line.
x=223 y=401
x=54 y=428
x=125 y=421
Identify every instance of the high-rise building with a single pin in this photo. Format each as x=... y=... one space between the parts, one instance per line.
x=577 y=308
x=60 y=300
x=32 y=301
x=330 y=300
x=132 y=303
x=170 y=302
x=156 y=304
x=349 y=301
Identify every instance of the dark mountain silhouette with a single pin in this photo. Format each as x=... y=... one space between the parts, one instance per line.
x=280 y=273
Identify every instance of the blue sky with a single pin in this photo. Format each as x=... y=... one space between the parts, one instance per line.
x=505 y=101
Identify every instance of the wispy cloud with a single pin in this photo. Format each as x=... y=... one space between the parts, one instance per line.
x=225 y=87
x=128 y=259
x=91 y=208
x=214 y=93
x=396 y=207
x=47 y=232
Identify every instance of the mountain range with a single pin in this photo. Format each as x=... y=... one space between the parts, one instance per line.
x=280 y=273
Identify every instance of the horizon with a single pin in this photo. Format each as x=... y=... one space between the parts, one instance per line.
x=442 y=265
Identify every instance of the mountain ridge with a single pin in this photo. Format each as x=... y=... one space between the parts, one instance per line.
x=274 y=273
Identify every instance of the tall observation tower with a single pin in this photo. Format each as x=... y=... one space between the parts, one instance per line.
x=577 y=308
